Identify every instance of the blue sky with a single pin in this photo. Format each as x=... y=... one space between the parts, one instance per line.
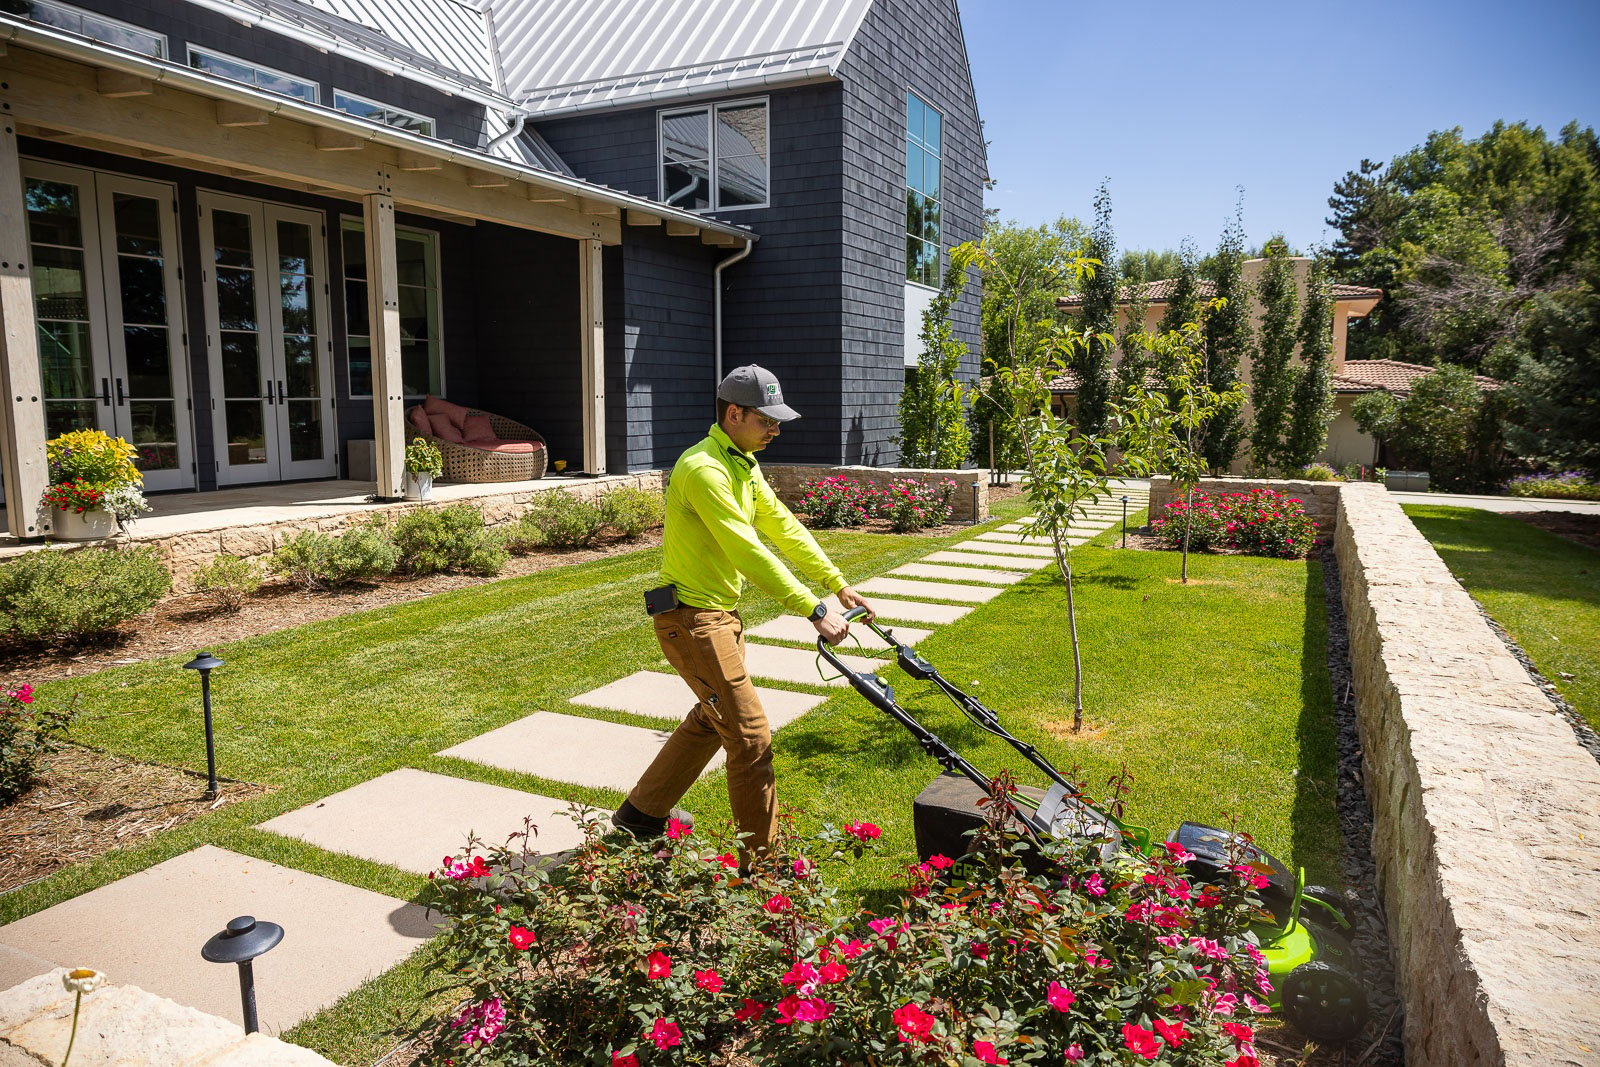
x=1177 y=104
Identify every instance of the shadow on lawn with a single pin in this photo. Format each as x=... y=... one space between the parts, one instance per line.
x=1498 y=554
x=1315 y=818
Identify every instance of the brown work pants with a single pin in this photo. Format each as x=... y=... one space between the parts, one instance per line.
x=707 y=648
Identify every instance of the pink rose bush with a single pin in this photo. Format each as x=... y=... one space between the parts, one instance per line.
x=907 y=503
x=1261 y=522
x=30 y=729
x=637 y=955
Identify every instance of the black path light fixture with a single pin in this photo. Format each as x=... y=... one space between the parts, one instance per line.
x=205 y=663
x=244 y=939
x=1124 y=522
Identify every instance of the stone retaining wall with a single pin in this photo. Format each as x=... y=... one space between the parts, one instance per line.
x=1486 y=836
x=1320 y=498
x=787 y=479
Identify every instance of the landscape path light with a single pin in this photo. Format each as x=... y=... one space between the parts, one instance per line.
x=244 y=939
x=205 y=663
x=1124 y=522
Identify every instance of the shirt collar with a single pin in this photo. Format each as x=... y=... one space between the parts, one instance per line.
x=720 y=436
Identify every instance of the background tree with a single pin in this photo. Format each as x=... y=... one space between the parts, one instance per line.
x=1556 y=397
x=1092 y=360
x=1135 y=361
x=1444 y=426
x=1183 y=303
x=934 y=431
x=1272 y=367
x=1150 y=265
x=1227 y=335
x=1312 y=394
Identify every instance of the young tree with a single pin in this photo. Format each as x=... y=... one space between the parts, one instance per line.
x=1272 y=369
x=1313 y=386
x=934 y=431
x=1094 y=357
x=1183 y=303
x=1227 y=334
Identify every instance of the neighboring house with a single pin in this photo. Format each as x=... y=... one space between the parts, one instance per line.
x=1360 y=376
x=1346 y=443
x=258 y=230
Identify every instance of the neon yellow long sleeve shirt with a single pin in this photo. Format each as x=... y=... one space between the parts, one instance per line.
x=717 y=501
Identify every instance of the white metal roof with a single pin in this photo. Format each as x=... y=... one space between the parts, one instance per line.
x=561 y=56
x=453 y=33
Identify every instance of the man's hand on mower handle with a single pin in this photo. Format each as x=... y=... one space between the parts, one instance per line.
x=849 y=598
x=832 y=628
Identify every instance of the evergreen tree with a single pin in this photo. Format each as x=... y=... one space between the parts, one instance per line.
x=1272 y=368
x=1136 y=360
x=1312 y=408
x=934 y=431
x=1557 y=391
x=1093 y=362
x=1227 y=335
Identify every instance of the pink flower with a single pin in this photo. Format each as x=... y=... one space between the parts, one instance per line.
x=752 y=1010
x=1060 y=997
x=1208 y=948
x=480 y=1023
x=461 y=870
x=1074 y=1052
x=1176 y=852
x=801 y=868
x=1242 y=1035
x=985 y=1053
x=520 y=937
x=1244 y=1059
x=727 y=859
x=665 y=1034
x=677 y=829
x=1094 y=959
x=1255 y=1005
x=777 y=904
x=786 y=1009
x=863 y=831
x=710 y=981
x=660 y=966
x=941 y=863
x=1140 y=1042
x=980 y=949
x=833 y=973
x=800 y=974
x=813 y=1010
x=1172 y=1033
x=1095 y=886
x=22 y=694
x=916 y=1025
x=849 y=949
x=1170 y=940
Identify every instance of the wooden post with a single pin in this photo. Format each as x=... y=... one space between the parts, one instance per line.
x=592 y=348
x=383 y=311
x=22 y=432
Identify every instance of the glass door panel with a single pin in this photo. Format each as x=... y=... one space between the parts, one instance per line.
x=67 y=307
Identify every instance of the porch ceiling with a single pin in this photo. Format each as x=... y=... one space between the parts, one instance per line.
x=72 y=91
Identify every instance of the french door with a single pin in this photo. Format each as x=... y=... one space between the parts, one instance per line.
x=265 y=279
x=108 y=304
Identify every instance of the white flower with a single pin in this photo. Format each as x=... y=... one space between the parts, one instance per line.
x=82 y=980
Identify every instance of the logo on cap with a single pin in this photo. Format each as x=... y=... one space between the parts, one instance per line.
x=772 y=390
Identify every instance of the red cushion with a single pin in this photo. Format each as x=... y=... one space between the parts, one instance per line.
x=512 y=447
x=435 y=407
x=444 y=429
x=419 y=420
x=477 y=429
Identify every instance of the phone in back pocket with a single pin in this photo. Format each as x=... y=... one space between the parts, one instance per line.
x=660 y=599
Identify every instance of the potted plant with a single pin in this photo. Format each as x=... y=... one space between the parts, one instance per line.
x=95 y=487
x=424 y=463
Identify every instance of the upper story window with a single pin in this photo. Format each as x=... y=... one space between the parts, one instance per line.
x=239 y=70
x=715 y=158
x=362 y=108
x=88 y=24
x=922 y=191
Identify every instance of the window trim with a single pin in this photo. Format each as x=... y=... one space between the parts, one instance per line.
x=109 y=20
x=359 y=222
x=710 y=110
x=939 y=201
x=316 y=88
x=338 y=93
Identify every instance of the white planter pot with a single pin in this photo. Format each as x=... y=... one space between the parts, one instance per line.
x=93 y=525
x=419 y=486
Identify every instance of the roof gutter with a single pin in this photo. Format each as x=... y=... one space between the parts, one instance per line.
x=716 y=302
x=518 y=118
x=184 y=79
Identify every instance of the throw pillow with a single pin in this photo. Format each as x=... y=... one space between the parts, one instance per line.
x=435 y=407
x=477 y=428
x=445 y=429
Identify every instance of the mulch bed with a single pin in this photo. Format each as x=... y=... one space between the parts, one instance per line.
x=1582 y=527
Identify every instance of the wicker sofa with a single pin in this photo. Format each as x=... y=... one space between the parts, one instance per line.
x=478 y=446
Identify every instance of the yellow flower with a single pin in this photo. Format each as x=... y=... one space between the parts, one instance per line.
x=82 y=980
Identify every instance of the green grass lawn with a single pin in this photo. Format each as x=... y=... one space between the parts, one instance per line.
x=1215 y=696
x=1544 y=589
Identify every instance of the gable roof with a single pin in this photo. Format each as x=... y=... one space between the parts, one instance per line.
x=564 y=56
x=1391 y=376
x=1160 y=292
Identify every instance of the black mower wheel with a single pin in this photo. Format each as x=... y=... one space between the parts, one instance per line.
x=1324 y=1002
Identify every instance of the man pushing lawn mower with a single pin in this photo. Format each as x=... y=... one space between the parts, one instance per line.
x=717 y=503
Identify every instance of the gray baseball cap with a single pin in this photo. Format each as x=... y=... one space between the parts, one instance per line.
x=756 y=387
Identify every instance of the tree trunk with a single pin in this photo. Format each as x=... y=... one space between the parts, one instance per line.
x=1188 y=520
x=1064 y=564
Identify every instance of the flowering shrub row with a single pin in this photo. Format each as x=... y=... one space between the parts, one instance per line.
x=29 y=730
x=1568 y=485
x=633 y=955
x=908 y=504
x=1261 y=522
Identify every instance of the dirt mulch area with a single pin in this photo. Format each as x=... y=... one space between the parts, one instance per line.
x=86 y=803
x=1582 y=527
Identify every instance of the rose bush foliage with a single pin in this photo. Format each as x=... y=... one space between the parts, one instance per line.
x=907 y=503
x=1262 y=522
x=632 y=955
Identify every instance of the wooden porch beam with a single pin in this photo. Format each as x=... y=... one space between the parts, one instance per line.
x=682 y=229
x=592 y=347
x=601 y=210
x=238 y=115
x=415 y=161
x=642 y=218
x=383 y=316
x=538 y=194
x=485 y=179
x=115 y=83
x=328 y=140
x=719 y=240
x=22 y=432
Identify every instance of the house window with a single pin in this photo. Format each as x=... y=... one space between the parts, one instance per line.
x=372 y=111
x=417 y=268
x=715 y=158
x=100 y=28
x=922 y=191
x=273 y=81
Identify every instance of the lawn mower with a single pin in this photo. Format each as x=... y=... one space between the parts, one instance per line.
x=1302 y=930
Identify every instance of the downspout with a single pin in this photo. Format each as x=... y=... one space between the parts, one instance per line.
x=716 y=301
x=518 y=117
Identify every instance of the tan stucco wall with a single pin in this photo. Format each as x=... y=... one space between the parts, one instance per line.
x=1346 y=442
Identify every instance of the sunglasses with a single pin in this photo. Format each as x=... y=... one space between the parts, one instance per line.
x=767 y=421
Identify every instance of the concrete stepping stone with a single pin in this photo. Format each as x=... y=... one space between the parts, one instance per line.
x=799 y=666
x=978 y=559
x=569 y=748
x=930 y=590
x=913 y=611
x=1007 y=548
x=666 y=696
x=988 y=576
x=146 y=930
x=1041 y=541
x=410 y=819
x=794 y=628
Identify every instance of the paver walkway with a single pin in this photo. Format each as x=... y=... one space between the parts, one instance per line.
x=339 y=935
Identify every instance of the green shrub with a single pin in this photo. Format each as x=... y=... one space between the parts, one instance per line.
x=431 y=540
x=521 y=537
x=1317 y=472
x=1567 y=485
x=315 y=560
x=632 y=511
x=69 y=595
x=29 y=730
x=565 y=521
x=227 y=581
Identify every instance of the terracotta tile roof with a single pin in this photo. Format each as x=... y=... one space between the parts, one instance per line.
x=1389 y=375
x=1068 y=381
x=1159 y=292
